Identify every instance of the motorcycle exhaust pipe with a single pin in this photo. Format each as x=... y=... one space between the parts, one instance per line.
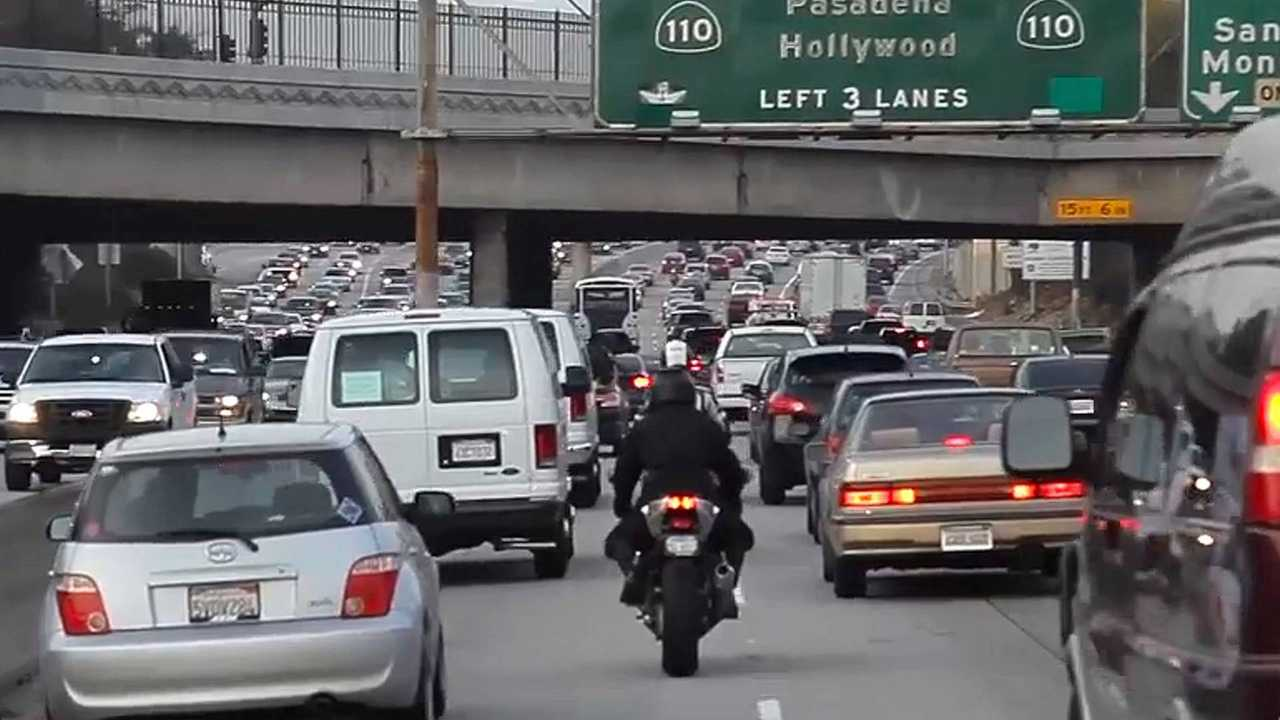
x=725 y=577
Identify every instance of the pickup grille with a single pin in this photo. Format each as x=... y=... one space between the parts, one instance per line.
x=75 y=421
x=6 y=399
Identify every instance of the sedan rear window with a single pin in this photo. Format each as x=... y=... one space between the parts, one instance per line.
x=826 y=371
x=471 y=365
x=854 y=398
x=931 y=422
x=209 y=498
x=765 y=345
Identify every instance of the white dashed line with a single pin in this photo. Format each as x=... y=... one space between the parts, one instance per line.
x=740 y=596
x=768 y=709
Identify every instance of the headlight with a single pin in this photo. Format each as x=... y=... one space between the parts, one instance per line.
x=293 y=277
x=317 y=317
x=357 y=264
x=282 y=332
x=229 y=401
x=386 y=281
x=144 y=412
x=352 y=272
x=242 y=317
x=333 y=303
x=266 y=397
x=22 y=413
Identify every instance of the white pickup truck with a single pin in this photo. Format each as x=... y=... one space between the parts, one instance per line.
x=923 y=316
x=741 y=359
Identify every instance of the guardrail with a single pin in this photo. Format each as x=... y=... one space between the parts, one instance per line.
x=377 y=35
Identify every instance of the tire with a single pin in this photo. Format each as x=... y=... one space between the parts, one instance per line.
x=850 y=578
x=553 y=564
x=17 y=477
x=772 y=489
x=811 y=513
x=682 y=610
x=423 y=707
x=587 y=494
x=1073 y=709
x=440 y=684
x=49 y=475
x=828 y=559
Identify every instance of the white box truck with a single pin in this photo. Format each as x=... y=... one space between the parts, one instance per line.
x=832 y=281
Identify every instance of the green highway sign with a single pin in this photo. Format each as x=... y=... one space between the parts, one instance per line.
x=1231 y=58
x=816 y=62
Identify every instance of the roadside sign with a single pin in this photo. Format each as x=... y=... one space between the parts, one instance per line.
x=1052 y=260
x=1010 y=256
x=815 y=62
x=1230 y=58
x=108 y=254
x=1093 y=209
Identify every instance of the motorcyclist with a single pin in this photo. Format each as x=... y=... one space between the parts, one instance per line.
x=675 y=449
x=676 y=354
x=602 y=366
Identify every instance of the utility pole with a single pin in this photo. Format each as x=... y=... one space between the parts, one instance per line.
x=427 y=210
x=1077 y=263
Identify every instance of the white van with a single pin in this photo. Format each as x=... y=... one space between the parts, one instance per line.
x=462 y=401
x=583 y=447
x=923 y=316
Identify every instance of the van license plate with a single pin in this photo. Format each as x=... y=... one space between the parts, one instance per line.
x=223 y=603
x=959 y=538
x=1081 y=407
x=472 y=451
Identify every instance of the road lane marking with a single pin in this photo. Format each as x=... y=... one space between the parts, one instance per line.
x=740 y=596
x=768 y=709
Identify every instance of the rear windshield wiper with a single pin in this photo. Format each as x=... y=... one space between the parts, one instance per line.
x=208 y=534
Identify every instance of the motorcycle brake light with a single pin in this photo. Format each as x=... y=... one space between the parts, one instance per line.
x=681 y=502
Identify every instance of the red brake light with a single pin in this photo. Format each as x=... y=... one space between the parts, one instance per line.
x=1268 y=431
x=1022 y=491
x=640 y=382
x=1061 y=489
x=695 y=364
x=1262 y=489
x=371 y=586
x=681 y=502
x=80 y=606
x=957 y=441
x=904 y=496
x=864 y=497
x=922 y=344
x=780 y=404
x=578 y=406
x=546 y=446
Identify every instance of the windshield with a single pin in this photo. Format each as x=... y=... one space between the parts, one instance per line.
x=270 y=318
x=747 y=288
x=233 y=299
x=11 y=362
x=95 y=362
x=392 y=272
x=182 y=501
x=211 y=356
x=378 y=303
x=286 y=369
x=1076 y=373
x=765 y=344
x=931 y=422
x=1007 y=342
x=629 y=364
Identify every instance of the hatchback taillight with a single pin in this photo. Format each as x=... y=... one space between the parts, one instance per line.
x=80 y=606
x=1262 y=484
x=578 y=406
x=546 y=446
x=371 y=586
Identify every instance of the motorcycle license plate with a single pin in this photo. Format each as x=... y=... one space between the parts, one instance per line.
x=681 y=545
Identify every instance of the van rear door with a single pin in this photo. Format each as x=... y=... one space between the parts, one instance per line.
x=479 y=440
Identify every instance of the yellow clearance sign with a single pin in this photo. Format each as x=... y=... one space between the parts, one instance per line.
x=1094 y=209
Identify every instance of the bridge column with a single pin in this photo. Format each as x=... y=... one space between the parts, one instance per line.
x=511 y=261
x=22 y=286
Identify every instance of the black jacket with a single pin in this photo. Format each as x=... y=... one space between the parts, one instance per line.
x=677 y=448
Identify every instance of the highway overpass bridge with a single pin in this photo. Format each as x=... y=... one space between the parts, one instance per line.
x=142 y=149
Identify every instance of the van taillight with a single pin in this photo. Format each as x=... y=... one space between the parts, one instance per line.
x=1262 y=485
x=578 y=406
x=371 y=586
x=546 y=445
x=80 y=606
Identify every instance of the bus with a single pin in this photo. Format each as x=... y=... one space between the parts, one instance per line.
x=609 y=303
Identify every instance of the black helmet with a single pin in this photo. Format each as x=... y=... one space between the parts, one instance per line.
x=672 y=386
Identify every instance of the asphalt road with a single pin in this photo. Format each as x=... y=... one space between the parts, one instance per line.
x=978 y=646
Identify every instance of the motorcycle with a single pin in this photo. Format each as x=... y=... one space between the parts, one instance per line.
x=688 y=589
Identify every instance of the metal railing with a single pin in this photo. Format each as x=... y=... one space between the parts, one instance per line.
x=371 y=35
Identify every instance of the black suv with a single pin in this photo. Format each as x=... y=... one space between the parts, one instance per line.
x=791 y=400
x=1170 y=594
x=229 y=379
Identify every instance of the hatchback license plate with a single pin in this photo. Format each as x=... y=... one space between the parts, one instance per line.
x=959 y=538
x=470 y=451
x=223 y=603
x=83 y=450
x=1081 y=407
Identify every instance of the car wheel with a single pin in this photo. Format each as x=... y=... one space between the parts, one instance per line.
x=49 y=475
x=17 y=477
x=810 y=526
x=440 y=684
x=828 y=559
x=553 y=563
x=850 y=578
x=1073 y=709
x=772 y=489
x=423 y=707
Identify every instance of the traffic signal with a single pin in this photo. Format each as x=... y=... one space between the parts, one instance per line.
x=226 y=48
x=257 y=38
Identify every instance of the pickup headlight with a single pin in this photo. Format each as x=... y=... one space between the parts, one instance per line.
x=144 y=412
x=317 y=317
x=229 y=401
x=333 y=303
x=22 y=413
x=293 y=277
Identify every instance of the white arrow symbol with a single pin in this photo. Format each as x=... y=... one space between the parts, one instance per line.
x=1215 y=99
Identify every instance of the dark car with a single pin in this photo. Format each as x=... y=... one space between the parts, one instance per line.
x=673 y=263
x=617 y=341
x=681 y=320
x=692 y=249
x=849 y=398
x=718 y=267
x=228 y=376
x=877 y=326
x=760 y=270
x=1169 y=594
x=634 y=379
x=1075 y=378
x=703 y=343
x=793 y=396
x=368 y=248
x=843 y=321
x=694 y=284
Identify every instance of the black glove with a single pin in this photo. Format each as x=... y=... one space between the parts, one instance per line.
x=621 y=508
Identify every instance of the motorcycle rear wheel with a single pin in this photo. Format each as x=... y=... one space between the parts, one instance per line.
x=683 y=606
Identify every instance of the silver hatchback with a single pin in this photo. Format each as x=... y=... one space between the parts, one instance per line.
x=257 y=567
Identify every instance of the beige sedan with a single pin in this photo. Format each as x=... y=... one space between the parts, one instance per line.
x=919 y=484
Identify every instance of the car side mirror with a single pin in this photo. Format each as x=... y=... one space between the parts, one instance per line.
x=183 y=374
x=576 y=380
x=1036 y=438
x=59 y=528
x=430 y=504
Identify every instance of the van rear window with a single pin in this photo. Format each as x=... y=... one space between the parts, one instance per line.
x=371 y=370
x=471 y=365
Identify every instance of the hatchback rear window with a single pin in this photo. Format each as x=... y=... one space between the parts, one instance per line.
x=207 y=498
x=828 y=370
x=371 y=370
x=955 y=421
x=471 y=365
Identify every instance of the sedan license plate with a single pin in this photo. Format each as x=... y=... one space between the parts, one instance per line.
x=472 y=451
x=960 y=538
x=223 y=603
x=83 y=450
x=1081 y=407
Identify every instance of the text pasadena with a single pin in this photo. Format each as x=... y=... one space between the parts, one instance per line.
x=794 y=46
x=838 y=8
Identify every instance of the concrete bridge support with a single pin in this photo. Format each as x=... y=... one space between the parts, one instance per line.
x=511 y=260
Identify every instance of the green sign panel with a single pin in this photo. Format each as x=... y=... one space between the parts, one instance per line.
x=1231 y=57
x=786 y=62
